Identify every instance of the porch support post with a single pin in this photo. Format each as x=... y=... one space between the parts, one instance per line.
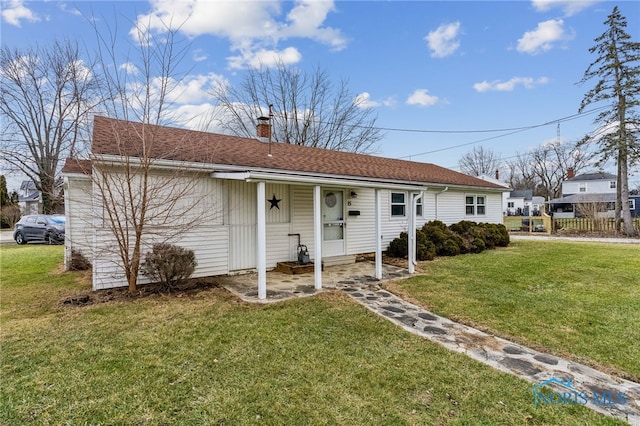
x=378 y=219
x=317 y=236
x=261 y=238
x=411 y=232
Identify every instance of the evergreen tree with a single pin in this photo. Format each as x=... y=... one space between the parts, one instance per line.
x=617 y=74
x=4 y=194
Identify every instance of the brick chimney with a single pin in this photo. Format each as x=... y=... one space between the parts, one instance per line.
x=263 y=128
x=570 y=173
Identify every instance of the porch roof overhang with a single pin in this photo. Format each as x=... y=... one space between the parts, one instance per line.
x=291 y=176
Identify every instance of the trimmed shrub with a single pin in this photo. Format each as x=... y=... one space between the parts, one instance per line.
x=425 y=249
x=398 y=247
x=446 y=242
x=168 y=265
x=437 y=239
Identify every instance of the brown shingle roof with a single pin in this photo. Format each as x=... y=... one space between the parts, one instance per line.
x=117 y=137
x=75 y=165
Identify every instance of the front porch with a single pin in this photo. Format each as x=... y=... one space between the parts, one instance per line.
x=281 y=286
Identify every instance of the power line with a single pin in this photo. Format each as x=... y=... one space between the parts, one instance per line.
x=509 y=132
x=558 y=120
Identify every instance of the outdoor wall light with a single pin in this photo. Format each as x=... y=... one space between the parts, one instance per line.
x=354 y=194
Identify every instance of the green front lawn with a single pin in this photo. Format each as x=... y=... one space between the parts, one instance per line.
x=209 y=359
x=575 y=299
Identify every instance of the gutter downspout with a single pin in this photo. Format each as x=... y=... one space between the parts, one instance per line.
x=411 y=231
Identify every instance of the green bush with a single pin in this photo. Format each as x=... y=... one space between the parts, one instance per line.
x=169 y=265
x=435 y=238
x=398 y=247
x=447 y=242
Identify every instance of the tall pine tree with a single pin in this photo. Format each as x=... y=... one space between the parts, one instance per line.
x=616 y=71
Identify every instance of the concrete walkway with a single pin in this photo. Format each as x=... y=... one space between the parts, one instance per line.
x=357 y=281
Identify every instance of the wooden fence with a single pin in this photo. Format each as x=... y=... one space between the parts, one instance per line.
x=528 y=223
x=590 y=225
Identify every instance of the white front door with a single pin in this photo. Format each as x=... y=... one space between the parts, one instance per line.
x=333 y=225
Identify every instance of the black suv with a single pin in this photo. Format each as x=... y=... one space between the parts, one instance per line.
x=41 y=227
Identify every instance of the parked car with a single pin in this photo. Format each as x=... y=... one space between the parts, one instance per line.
x=40 y=227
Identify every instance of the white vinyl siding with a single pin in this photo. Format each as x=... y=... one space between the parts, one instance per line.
x=78 y=228
x=360 y=229
x=302 y=219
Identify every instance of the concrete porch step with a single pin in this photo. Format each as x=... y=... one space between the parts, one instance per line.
x=339 y=260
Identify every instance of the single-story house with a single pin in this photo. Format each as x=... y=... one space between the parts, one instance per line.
x=268 y=198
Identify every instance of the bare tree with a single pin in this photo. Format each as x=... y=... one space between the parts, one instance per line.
x=46 y=96
x=308 y=109
x=595 y=210
x=544 y=168
x=551 y=162
x=138 y=200
x=520 y=173
x=617 y=73
x=479 y=161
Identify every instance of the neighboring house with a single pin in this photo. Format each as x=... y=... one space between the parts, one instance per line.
x=29 y=198
x=587 y=190
x=522 y=202
x=341 y=204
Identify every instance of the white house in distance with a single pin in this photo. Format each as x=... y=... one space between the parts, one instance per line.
x=522 y=202
x=340 y=204
x=597 y=187
x=29 y=198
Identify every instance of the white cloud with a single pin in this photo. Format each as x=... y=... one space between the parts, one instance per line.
x=543 y=38
x=130 y=68
x=363 y=100
x=569 y=7
x=443 y=41
x=510 y=85
x=195 y=88
x=264 y=57
x=65 y=8
x=199 y=55
x=252 y=28
x=14 y=11
x=422 y=97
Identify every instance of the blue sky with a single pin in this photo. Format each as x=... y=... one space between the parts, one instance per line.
x=442 y=73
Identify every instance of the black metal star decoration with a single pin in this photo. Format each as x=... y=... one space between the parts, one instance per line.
x=274 y=202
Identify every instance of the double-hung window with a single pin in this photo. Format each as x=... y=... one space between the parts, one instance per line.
x=475 y=205
x=398 y=204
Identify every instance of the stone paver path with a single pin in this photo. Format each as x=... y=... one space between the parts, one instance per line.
x=501 y=354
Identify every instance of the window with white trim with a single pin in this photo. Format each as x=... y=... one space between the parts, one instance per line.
x=583 y=187
x=419 y=209
x=475 y=205
x=612 y=184
x=511 y=204
x=632 y=204
x=398 y=204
